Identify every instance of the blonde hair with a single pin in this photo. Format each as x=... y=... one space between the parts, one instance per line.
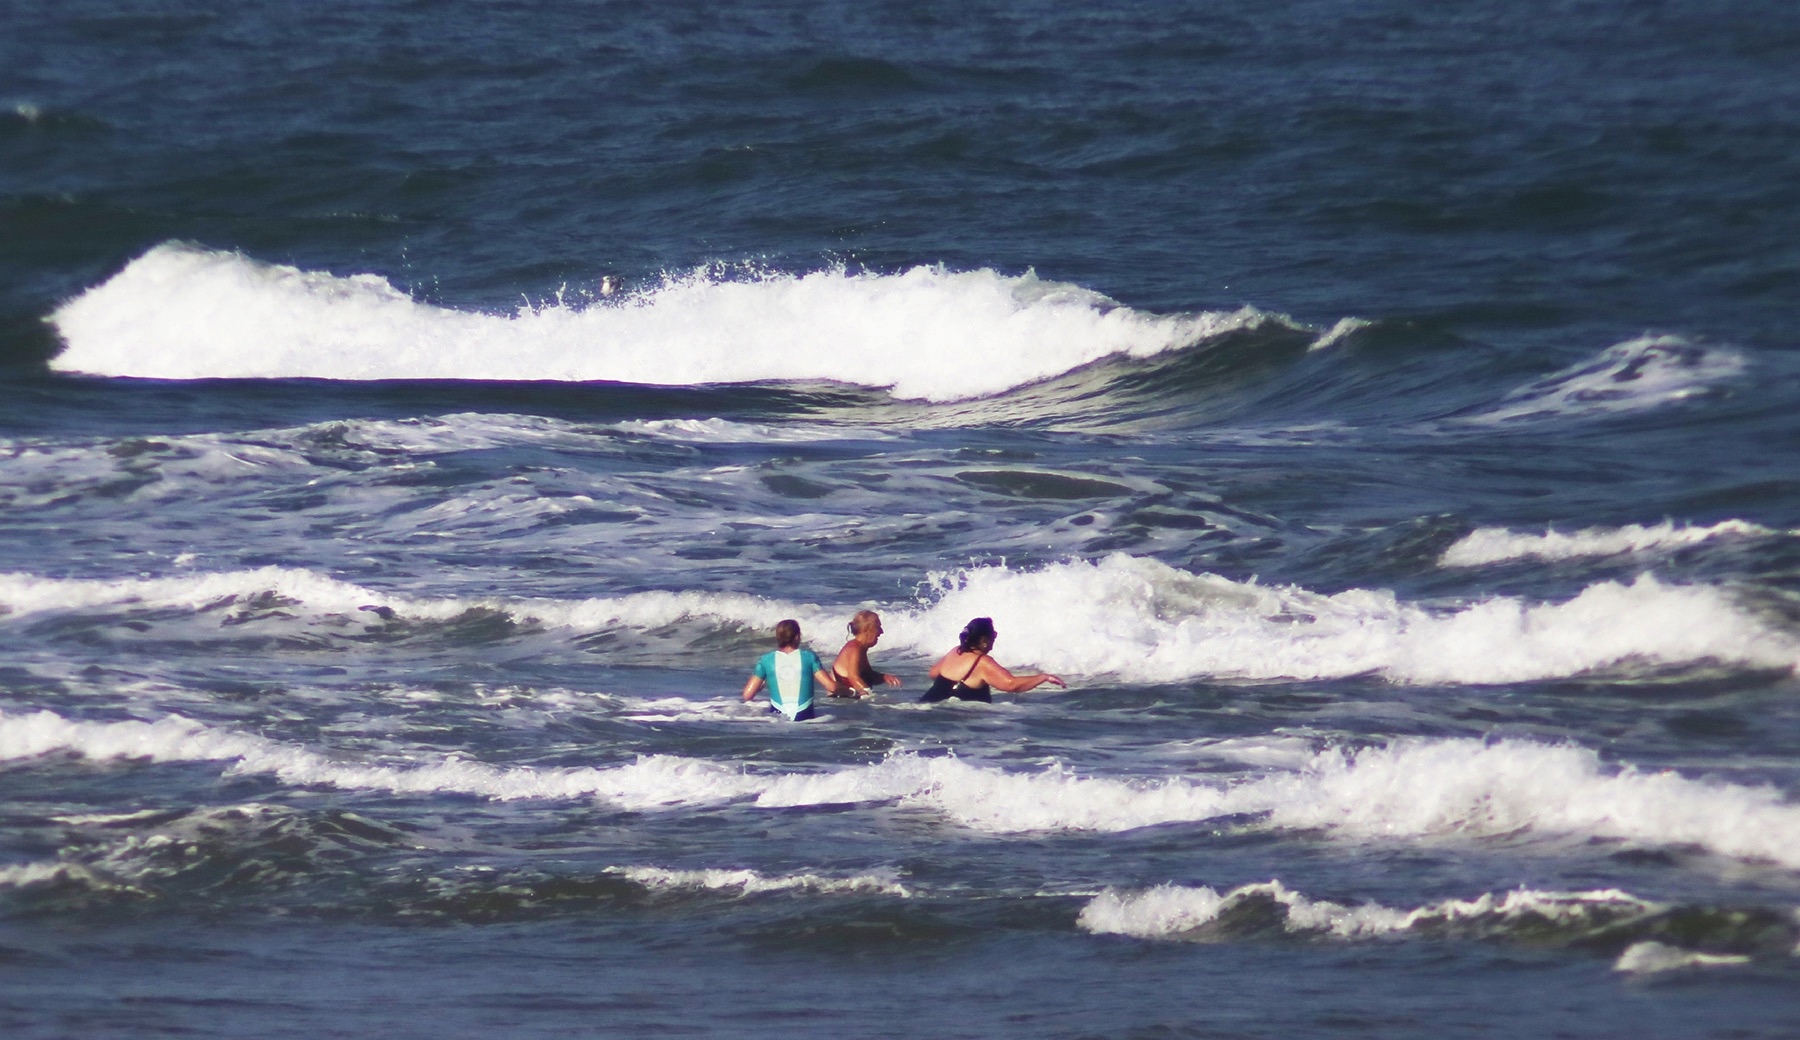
x=787 y=633
x=863 y=621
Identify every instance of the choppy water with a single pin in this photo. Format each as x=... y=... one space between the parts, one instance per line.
x=1383 y=415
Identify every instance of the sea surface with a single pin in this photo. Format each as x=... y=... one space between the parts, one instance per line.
x=415 y=417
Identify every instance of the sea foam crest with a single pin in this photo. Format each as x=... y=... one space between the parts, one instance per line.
x=750 y=882
x=29 y=594
x=1410 y=789
x=1131 y=617
x=1651 y=957
x=650 y=782
x=1176 y=911
x=183 y=312
x=1145 y=621
x=1647 y=372
x=22 y=594
x=24 y=875
x=1487 y=545
x=1202 y=913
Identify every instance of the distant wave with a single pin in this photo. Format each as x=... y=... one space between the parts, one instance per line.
x=176 y=466
x=1130 y=617
x=25 y=116
x=750 y=882
x=1603 y=917
x=1633 y=376
x=1145 y=621
x=128 y=864
x=24 y=875
x=650 y=782
x=232 y=593
x=1169 y=911
x=1651 y=957
x=183 y=312
x=1409 y=789
x=1495 y=545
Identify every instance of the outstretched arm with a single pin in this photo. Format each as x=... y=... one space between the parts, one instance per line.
x=827 y=680
x=1000 y=679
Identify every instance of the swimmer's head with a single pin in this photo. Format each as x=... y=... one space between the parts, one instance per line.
x=865 y=622
x=979 y=635
x=787 y=634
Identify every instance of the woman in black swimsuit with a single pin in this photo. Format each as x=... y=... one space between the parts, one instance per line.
x=968 y=673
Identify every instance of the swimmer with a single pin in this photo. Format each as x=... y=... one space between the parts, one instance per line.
x=852 y=666
x=789 y=672
x=968 y=673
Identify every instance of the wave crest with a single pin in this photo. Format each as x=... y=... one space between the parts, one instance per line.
x=1410 y=789
x=184 y=312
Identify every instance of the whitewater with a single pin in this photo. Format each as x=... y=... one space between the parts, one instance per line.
x=927 y=333
x=416 y=420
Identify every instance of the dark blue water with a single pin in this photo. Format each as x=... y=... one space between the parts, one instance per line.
x=414 y=420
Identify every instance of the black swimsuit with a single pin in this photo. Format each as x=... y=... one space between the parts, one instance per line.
x=942 y=688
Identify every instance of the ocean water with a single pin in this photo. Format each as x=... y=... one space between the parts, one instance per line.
x=414 y=419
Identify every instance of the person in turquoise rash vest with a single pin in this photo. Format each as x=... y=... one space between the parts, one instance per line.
x=789 y=673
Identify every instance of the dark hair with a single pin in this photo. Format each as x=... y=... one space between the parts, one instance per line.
x=787 y=633
x=976 y=632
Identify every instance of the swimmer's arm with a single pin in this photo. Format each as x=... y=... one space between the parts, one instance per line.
x=827 y=680
x=1000 y=679
x=752 y=687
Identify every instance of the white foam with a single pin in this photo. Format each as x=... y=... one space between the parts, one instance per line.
x=749 y=882
x=1343 y=329
x=725 y=431
x=1285 y=752
x=24 y=875
x=1131 y=617
x=60 y=875
x=1487 y=545
x=43 y=474
x=183 y=312
x=23 y=594
x=727 y=709
x=1145 y=621
x=650 y=782
x=1425 y=788
x=1172 y=911
x=1649 y=958
x=1640 y=374
x=1409 y=790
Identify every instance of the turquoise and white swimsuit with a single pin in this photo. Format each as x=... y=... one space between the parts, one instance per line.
x=789 y=677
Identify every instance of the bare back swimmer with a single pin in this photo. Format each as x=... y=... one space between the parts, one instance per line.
x=942 y=688
x=978 y=672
